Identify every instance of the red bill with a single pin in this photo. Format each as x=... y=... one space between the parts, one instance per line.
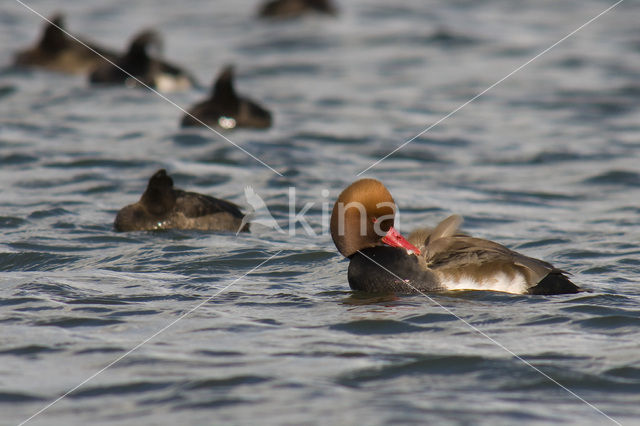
x=395 y=239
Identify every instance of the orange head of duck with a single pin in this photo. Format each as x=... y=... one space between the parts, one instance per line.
x=363 y=217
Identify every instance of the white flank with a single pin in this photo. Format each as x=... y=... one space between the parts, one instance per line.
x=498 y=282
x=169 y=83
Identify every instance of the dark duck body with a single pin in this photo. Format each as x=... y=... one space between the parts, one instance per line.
x=438 y=259
x=164 y=207
x=284 y=9
x=142 y=62
x=56 y=51
x=225 y=109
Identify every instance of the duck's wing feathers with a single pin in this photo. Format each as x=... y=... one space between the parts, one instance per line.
x=418 y=237
x=467 y=253
x=196 y=205
x=449 y=227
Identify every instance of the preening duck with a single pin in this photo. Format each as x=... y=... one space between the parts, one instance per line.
x=442 y=258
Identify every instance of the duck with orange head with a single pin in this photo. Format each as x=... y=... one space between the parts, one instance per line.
x=430 y=259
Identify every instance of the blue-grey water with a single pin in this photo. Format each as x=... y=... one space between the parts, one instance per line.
x=546 y=162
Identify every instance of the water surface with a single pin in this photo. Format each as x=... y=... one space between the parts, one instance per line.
x=546 y=163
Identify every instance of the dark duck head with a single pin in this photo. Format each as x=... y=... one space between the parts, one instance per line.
x=53 y=38
x=157 y=201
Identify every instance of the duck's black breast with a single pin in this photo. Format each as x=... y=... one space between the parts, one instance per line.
x=389 y=269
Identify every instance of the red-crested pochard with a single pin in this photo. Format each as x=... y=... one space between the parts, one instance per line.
x=164 y=207
x=442 y=258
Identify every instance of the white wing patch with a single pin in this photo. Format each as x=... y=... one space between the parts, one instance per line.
x=166 y=83
x=498 y=282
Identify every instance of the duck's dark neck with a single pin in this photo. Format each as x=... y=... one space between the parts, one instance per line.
x=223 y=92
x=137 y=61
x=389 y=269
x=159 y=201
x=54 y=40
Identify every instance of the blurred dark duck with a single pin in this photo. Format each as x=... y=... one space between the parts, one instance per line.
x=163 y=207
x=142 y=61
x=442 y=258
x=56 y=51
x=225 y=109
x=285 y=9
